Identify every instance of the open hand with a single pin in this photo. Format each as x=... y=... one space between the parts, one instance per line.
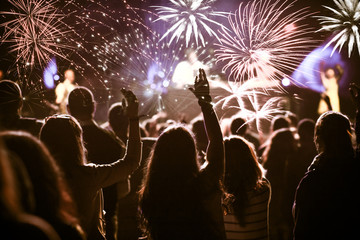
x=201 y=87
x=130 y=103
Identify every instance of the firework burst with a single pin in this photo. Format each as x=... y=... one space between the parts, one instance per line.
x=252 y=104
x=189 y=17
x=345 y=22
x=266 y=41
x=34 y=31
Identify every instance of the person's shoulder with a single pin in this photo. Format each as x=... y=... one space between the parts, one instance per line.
x=31 y=125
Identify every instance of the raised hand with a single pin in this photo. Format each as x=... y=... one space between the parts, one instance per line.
x=130 y=103
x=201 y=88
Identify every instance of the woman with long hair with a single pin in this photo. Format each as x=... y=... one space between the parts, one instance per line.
x=63 y=136
x=278 y=156
x=249 y=192
x=179 y=199
x=326 y=204
x=52 y=199
x=15 y=220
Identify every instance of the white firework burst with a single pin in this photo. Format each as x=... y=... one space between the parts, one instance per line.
x=267 y=41
x=189 y=17
x=252 y=104
x=345 y=23
x=34 y=31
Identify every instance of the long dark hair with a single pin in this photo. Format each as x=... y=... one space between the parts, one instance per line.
x=281 y=148
x=168 y=190
x=333 y=135
x=52 y=198
x=62 y=134
x=243 y=173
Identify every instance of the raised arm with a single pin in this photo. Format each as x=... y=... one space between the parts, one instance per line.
x=215 y=149
x=133 y=150
x=119 y=171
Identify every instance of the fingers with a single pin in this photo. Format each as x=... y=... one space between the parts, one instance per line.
x=129 y=95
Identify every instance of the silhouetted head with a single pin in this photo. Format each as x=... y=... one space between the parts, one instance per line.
x=62 y=135
x=333 y=134
x=238 y=126
x=10 y=98
x=70 y=75
x=117 y=118
x=49 y=188
x=81 y=103
x=10 y=205
x=282 y=144
x=243 y=173
x=279 y=122
x=198 y=128
x=241 y=165
x=306 y=129
x=173 y=159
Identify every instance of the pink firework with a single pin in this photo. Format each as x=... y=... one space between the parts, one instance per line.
x=267 y=41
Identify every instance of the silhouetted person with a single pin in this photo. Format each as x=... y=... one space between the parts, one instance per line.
x=15 y=223
x=198 y=128
x=240 y=127
x=307 y=149
x=278 y=122
x=63 y=136
x=127 y=207
x=179 y=200
x=247 y=213
x=326 y=204
x=11 y=101
x=53 y=202
x=277 y=157
x=117 y=121
x=102 y=146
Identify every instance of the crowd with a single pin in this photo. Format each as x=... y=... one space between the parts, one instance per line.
x=67 y=177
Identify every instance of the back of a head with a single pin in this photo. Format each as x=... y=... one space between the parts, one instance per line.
x=198 y=128
x=238 y=127
x=241 y=165
x=62 y=135
x=117 y=117
x=174 y=152
x=333 y=134
x=282 y=144
x=41 y=168
x=10 y=97
x=279 y=122
x=10 y=205
x=306 y=129
x=81 y=103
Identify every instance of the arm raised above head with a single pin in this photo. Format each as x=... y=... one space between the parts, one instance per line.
x=215 y=149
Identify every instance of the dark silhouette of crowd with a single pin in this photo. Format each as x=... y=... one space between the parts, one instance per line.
x=68 y=177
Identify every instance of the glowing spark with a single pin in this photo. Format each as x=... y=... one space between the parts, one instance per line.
x=189 y=17
x=345 y=22
x=265 y=42
x=35 y=32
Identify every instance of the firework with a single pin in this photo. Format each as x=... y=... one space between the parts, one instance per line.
x=189 y=17
x=345 y=23
x=265 y=41
x=252 y=103
x=34 y=31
